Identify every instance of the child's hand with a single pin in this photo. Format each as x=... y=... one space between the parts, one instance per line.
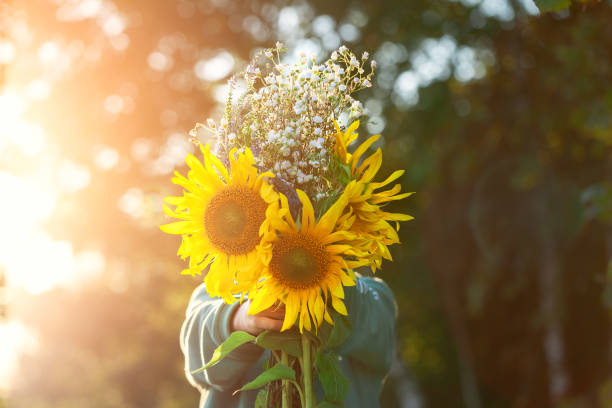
x=269 y=319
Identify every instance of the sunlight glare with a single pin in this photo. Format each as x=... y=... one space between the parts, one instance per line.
x=15 y=338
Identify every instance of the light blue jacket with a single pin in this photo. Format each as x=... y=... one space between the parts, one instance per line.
x=365 y=357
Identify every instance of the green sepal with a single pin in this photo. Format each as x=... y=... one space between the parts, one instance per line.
x=235 y=340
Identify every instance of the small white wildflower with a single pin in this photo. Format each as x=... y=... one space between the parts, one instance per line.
x=365 y=55
x=211 y=123
x=342 y=88
x=317 y=119
x=315 y=144
x=354 y=62
x=373 y=63
x=317 y=131
x=231 y=136
x=334 y=56
x=286 y=151
x=356 y=80
x=268 y=54
x=279 y=45
x=366 y=83
x=342 y=49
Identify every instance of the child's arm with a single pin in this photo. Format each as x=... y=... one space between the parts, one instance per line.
x=207 y=325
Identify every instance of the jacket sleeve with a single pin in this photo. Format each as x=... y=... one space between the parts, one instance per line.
x=206 y=326
x=372 y=312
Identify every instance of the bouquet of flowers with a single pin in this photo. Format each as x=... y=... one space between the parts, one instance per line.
x=282 y=210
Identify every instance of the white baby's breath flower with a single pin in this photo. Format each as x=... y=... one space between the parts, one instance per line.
x=365 y=55
x=317 y=131
x=317 y=119
x=342 y=88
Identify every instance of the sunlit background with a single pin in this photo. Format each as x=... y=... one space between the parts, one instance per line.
x=501 y=116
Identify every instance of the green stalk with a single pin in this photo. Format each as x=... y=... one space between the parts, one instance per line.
x=286 y=391
x=307 y=373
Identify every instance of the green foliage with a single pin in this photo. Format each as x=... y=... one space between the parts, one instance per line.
x=329 y=404
x=332 y=336
x=288 y=341
x=334 y=383
x=261 y=401
x=235 y=340
x=552 y=5
x=277 y=372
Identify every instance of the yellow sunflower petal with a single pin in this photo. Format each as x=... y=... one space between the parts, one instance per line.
x=308 y=218
x=291 y=313
x=338 y=304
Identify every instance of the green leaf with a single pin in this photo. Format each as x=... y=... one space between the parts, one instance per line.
x=328 y=404
x=235 y=340
x=261 y=401
x=278 y=372
x=341 y=331
x=334 y=383
x=552 y=5
x=289 y=341
x=329 y=336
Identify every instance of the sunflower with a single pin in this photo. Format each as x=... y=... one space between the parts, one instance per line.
x=222 y=213
x=364 y=213
x=305 y=267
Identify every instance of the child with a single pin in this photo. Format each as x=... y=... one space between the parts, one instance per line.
x=365 y=357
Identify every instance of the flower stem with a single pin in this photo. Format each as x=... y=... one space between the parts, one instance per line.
x=307 y=373
x=286 y=391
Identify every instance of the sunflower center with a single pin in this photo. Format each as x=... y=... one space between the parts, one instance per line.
x=232 y=219
x=299 y=261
